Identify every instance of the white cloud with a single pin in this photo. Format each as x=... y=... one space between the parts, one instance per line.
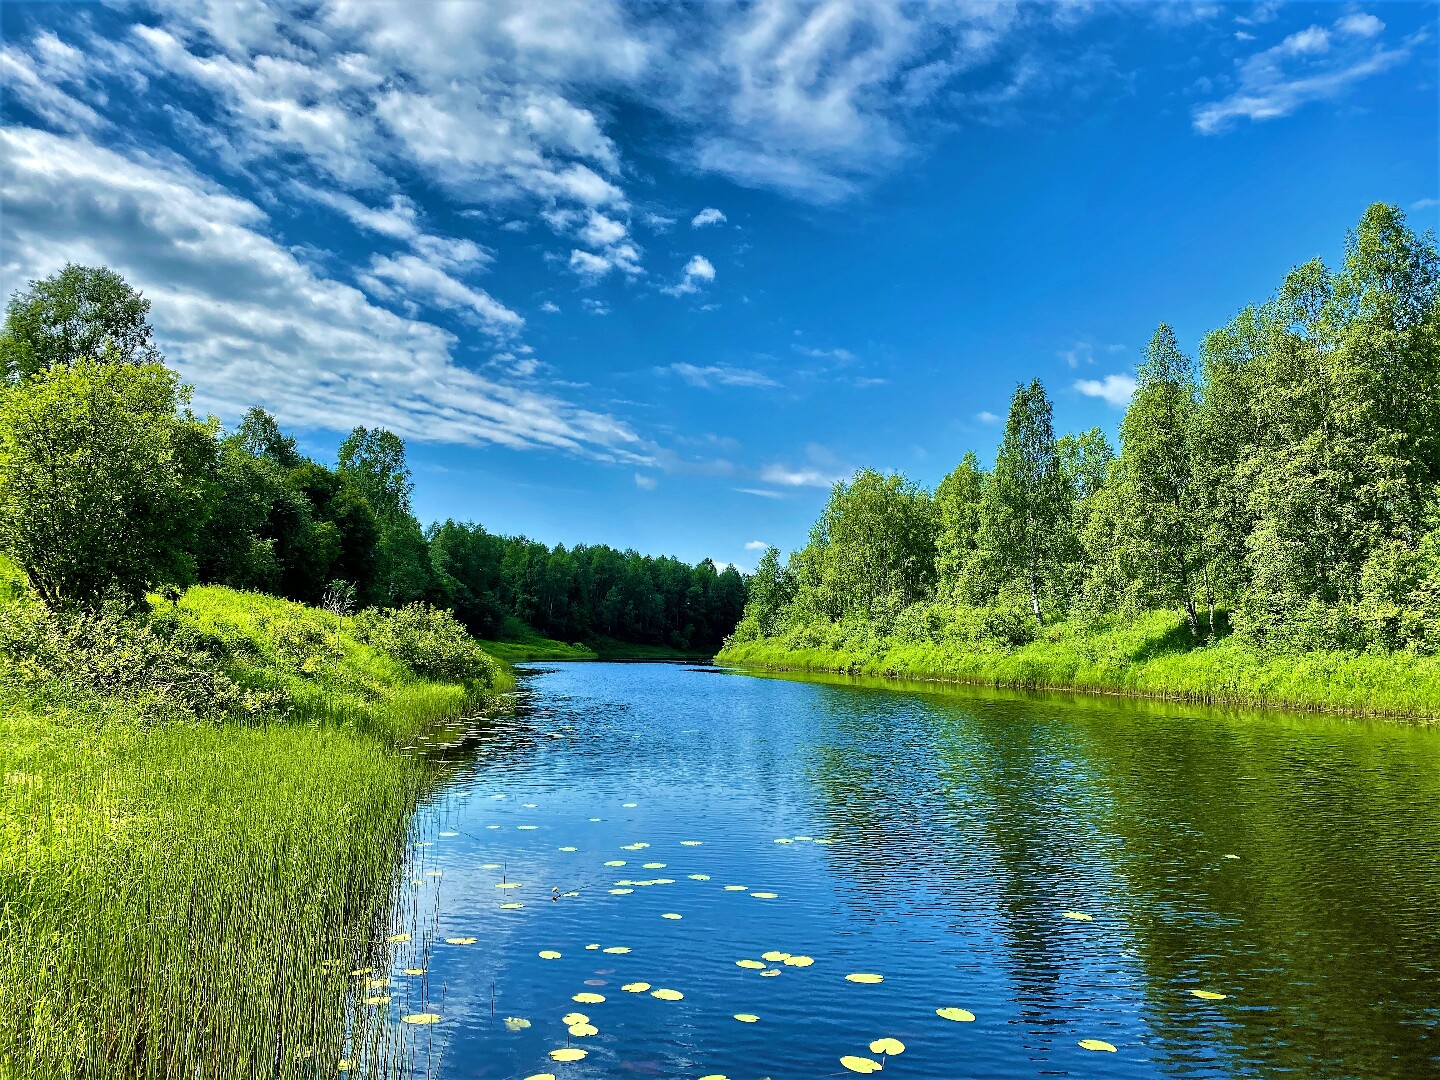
x=803 y=476
x=595 y=307
x=843 y=356
x=550 y=307
x=249 y=322
x=1306 y=67
x=421 y=279
x=708 y=216
x=764 y=493
x=645 y=482
x=987 y=417
x=588 y=265
x=1360 y=25
x=1115 y=390
x=756 y=545
x=707 y=378
x=698 y=271
x=1424 y=204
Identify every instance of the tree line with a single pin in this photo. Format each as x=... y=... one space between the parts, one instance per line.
x=110 y=485
x=1286 y=486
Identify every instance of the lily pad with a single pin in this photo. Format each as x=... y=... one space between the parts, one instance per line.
x=516 y=1023
x=585 y=997
x=568 y=1053
x=958 y=1015
x=860 y=1064
x=667 y=995
x=1078 y=916
x=671 y=915
x=799 y=961
x=549 y=954
x=753 y=965
x=1097 y=1044
x=459 y=941
x=581 y=1031
x=747 y=1018
x=864 y=977
x=887 y=1046
x=574 y=1018
x=1208 y=995
x=421 y=1018
x=635 y=987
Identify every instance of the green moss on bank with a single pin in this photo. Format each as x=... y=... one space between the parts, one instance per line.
x=187 y=895
x=1149 y=655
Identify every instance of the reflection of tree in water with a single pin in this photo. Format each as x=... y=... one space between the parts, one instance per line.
x=1322 y=933
x=983 y=812
x=1324 y=930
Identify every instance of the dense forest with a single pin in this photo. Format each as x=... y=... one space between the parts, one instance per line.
x=1285 y=488
x=109 y=486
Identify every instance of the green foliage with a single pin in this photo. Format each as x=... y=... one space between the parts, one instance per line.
x=102 y=480
x=79 y=313
x=427 y=641
x=872 y=553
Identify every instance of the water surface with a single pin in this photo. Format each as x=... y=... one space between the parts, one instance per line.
x=936 y=838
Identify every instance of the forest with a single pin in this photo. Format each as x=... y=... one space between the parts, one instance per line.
x=1281 y=489
x=111 y=486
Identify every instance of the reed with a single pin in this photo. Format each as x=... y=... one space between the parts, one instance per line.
x=190 y=898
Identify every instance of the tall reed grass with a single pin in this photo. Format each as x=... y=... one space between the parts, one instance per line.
x=191 y=898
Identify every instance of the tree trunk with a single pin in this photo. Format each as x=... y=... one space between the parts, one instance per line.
x=1209 y=599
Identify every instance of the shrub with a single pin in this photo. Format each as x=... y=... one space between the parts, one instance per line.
x=428 y=641
x=159 y=667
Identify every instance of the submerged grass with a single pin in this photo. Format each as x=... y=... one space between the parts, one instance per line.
x=189 y=898
x=1149 y=655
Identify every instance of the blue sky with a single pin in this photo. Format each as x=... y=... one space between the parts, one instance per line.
x=656 y=276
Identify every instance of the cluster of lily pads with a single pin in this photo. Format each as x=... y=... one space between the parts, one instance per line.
x=770 y=964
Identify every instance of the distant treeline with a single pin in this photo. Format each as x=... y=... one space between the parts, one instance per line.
x=1288 y=486
x=109 y=486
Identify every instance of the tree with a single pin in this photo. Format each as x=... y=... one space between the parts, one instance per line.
x=1159 y=519
x=260 y=436
x=772 y=587
x=81 y=312
x=102 y=480
x=957 y=512
x=873 y=550
x=374 y=460
x=1024 y=508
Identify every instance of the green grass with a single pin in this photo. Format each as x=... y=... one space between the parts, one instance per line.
x=188 y=898
x=1149 y=655
x=517 y=642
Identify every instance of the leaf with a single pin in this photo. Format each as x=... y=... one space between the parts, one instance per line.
x=860 y=1064
x=888 y=1047
x=864 y=977
x=958 y=1015
x=568 y=1053
x=1097 y=1044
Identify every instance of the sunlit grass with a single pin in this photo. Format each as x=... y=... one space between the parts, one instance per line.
x=1145 y=655
x=189 y=899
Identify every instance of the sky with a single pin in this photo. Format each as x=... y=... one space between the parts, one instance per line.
x=657 y=275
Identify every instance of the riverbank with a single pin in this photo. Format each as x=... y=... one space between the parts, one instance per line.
x=1150 y=655
x=519 y=642
x=202 y=822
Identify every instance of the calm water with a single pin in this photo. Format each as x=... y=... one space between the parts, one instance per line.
x=1291 y=863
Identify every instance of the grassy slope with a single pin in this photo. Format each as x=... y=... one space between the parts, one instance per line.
x=520 y=642
x=1145 y=656
x=179 y=885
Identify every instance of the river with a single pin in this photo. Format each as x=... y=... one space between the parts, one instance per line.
x=1062 y=868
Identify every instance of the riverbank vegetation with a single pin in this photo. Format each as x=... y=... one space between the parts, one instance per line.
x=1268 y=531
x=205 y=813
x=206 y=792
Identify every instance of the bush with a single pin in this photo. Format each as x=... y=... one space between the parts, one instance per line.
x=428 y=641
x=159 y=667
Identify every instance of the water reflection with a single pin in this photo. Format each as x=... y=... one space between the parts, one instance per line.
x=961 y=829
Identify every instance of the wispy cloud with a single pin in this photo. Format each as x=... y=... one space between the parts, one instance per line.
x=756 y=545
x=713 y=375
x=646 y=482
x=1310 y=65
x=802 y=476
x=764 y=493
x=250 y=323
x=708 y=216
x=987 y=417
x=1115 y=390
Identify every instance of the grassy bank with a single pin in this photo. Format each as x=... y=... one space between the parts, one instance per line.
x=517 y=642
x=1149 y=655
x=202 y=822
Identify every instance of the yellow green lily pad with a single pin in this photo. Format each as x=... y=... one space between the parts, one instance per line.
x=1097 y=1044
x=1207 y=995
x=635 y=987
x=887 y=1046
x=860 y=1064
x=568 y=1053
x=960 y=1016
x=549 y=954
x=864 y=977
x=421 y=1018
x=516 y=1023
x=666 y=995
